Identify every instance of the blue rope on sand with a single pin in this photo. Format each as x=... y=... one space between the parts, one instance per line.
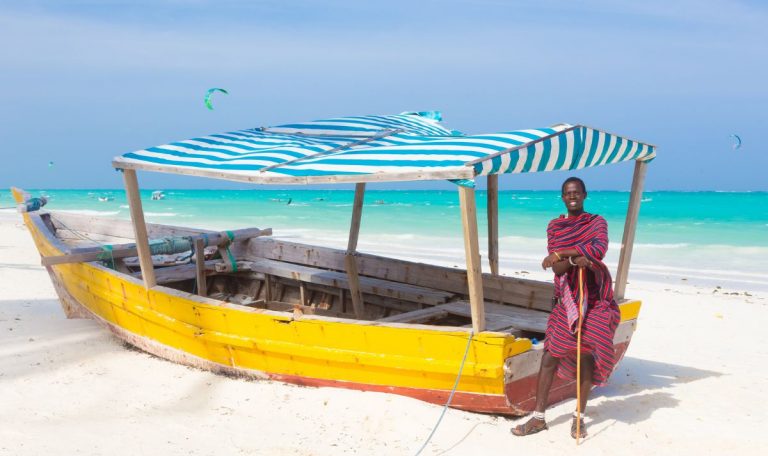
x=450 y=398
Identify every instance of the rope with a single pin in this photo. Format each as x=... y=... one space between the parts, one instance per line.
x=450 y=397
x=232 y=260
x=170 y=245
x=106 y=248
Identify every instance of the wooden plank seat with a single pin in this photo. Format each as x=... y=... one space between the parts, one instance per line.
x=368 y=285
x=499 y=317
x=418 y=316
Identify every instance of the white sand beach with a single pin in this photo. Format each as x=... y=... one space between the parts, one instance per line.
x=693 y=382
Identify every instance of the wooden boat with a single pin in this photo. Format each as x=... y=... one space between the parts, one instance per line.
x=245 y=304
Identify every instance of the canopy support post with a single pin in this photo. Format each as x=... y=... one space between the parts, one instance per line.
x=139 y=227
x=349 y=258
x=493 y=223
x=472 y=252
x=202 y=285
x=628 y=239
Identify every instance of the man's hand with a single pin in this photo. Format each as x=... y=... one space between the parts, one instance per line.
x=583 y=262
x=549 y=260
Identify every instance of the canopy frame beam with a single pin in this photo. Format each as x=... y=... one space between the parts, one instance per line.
x=630 y=226
x=472 y=253
x=139 y=227
x=350 y=258
x=493 y=222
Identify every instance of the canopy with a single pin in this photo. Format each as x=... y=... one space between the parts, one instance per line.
x=402 y=147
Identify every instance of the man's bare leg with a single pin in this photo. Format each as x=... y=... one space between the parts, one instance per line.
x=544 y=382
x=585 y=386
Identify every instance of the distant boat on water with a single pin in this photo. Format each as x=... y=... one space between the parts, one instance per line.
x=158 y=195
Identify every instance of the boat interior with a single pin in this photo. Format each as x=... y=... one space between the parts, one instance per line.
x=258 y=271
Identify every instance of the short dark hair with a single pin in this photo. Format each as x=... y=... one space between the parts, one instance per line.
x=574 y=179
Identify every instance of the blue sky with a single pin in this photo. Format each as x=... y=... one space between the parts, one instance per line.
x=87 y=80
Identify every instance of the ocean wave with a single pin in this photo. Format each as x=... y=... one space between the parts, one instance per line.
x=678 y=245
x=161 y=214
x=88 y=212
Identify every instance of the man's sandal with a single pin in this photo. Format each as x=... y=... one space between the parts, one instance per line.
x=582 y=428
x=531 y=426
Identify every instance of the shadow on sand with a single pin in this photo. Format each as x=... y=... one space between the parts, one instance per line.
x=633 y=395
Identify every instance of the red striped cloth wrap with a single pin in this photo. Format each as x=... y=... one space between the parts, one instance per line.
x=588 y=234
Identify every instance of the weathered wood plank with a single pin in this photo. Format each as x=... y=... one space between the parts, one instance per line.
x=630 y=226
x=425 y=174
x=202 y=285
x=417 y=316
x=504 y=316
x=493 y=223
x=529 y=293
x=350 y=262
x=87 y=254
x=472 y=252
x=139 y=228
x=300 y=310
x=335 y=279
x=111 y=227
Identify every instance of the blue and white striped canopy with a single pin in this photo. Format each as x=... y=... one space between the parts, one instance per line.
x=403 y=147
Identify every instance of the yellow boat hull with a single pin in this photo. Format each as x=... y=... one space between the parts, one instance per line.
x=414 y=360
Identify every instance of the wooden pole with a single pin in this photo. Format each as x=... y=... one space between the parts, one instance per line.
x=86 y=254
x=493 y=223
x=202 y=285
x=472 y=252
x=349 y=258
x=139 y=227
x=628 y=239
x=578 y=355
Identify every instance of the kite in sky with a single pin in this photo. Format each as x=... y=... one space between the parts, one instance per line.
x=737 y=144
x=211 y=92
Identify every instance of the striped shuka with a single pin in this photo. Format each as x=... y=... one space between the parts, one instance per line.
x=588 y=234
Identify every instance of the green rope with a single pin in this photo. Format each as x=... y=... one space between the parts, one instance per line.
x=107 y=256
x=231 y=237
x=232 y=260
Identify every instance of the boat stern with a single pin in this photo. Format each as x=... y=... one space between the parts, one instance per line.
x=521 y=371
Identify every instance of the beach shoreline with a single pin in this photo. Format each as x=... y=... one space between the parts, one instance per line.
x=70 y=387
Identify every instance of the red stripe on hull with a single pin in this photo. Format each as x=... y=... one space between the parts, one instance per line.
x=471 y=402
x=522 y=393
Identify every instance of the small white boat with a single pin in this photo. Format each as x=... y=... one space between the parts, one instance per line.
x=158 y=195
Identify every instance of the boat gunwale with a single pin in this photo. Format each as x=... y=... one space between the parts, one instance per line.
x=37 y=218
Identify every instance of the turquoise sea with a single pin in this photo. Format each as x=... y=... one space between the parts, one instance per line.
x=708 y=238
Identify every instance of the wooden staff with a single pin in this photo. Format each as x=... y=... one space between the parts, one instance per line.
x=578 y=356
